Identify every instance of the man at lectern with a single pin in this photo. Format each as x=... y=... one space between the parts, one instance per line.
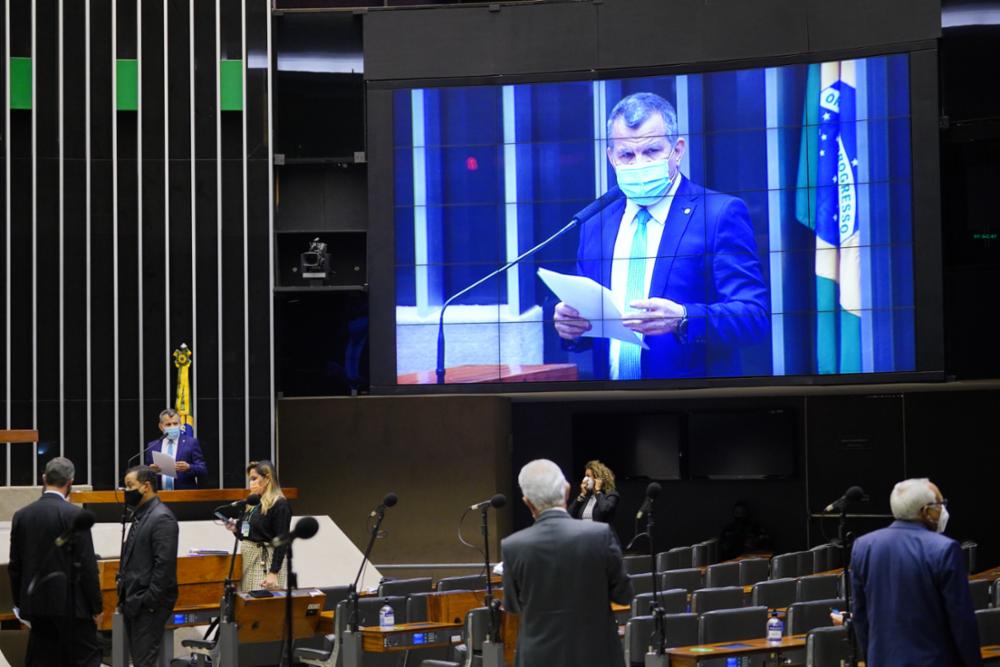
x=147 y=579
x=561 y=576
x=38 y=569
x=184 y=447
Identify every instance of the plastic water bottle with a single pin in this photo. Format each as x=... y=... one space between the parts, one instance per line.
x=386 y=617
x=775 y=628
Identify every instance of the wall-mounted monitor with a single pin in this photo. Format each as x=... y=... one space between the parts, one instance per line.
x=743 y=224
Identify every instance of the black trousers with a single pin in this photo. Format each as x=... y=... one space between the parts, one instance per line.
x=47 y=647
x=145 y=635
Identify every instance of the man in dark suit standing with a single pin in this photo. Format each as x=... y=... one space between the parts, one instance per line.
x=39 y=571
x=561 y=576
x=184 y=447
x=911 y=601
x=147 y=583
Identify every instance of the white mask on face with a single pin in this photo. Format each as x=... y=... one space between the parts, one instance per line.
x=943 y=519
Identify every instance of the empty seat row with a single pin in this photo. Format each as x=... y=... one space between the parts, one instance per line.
x=780 y=593
x=821 y=558
x=689 y=629
x=702 y=554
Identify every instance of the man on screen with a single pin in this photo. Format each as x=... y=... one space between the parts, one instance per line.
x=680 y=259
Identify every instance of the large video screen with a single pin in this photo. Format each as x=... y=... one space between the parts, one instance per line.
x=742 y=223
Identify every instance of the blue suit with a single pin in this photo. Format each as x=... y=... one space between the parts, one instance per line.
x=188 y=450
x=707 y=262
x=911 y=601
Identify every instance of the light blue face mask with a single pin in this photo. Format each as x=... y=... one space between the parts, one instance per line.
x=173 y=432
x=644 y=183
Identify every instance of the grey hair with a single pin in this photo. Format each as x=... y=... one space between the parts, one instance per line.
x=543 y=484
x=59 y=472
x=909 y=497
x=169 y=412
x=635 y=109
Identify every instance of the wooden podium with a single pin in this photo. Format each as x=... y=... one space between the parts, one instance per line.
x=263 y=619
x=200 y=582
x=185 y=496
x=505 y=373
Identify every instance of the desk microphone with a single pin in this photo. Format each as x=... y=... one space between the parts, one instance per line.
x=497 y=501
x=81 y=522
x=852 y=495
x=652 y=491
x=389 y=500
x=305 y=528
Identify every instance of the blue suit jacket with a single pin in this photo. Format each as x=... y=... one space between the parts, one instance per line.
x=707 y=261
x=188 y=450
x=911 y=599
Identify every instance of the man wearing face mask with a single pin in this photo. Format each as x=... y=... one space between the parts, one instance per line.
x=184 y=447
x=910 y=587
x=680 y=259
x=147 y=578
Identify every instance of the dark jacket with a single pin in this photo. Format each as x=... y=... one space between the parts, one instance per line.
x=266 y=527
x=911 y=599
x=33 y=533
x=604 y=509
x=189 y=450
x=561 y=576
x=148 y=576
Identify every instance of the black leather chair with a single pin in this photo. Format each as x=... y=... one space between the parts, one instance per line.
x=334 y=594
x=709 y=599
x=673 y=601
x=980 y=591
x=774 y=593
x=804 y=616
x=818 y=587
x=722 y=574
x=970 y=550
x=681 y=630
x=641 y=583
x=785 y=566
x=730 y=625
x=690 y=579
x=805 y=563
x=468 y=582
x=753 y=570
x=827 y=647
x=673 y=559
x=638 y=564
x=821 y=558
x=989 y=626
x=406 y=586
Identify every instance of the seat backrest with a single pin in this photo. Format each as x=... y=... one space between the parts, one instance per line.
x=996 y=593
x=335 y=594
x=638 y=564
x=971 y=551
x=713 y=550
x=681 y=630
x=710 y=599
x=690 y=579
x=468 y=582
x=406 y=586
x=804 y=616
x=784 y=566
x=818 y=587
x=805 y=563
x=677 y=558
x=980 y=591
x=729 y=625
x=821 y=558
x=700 y=555
x=989 y=626
x=368 y=610
x=722 y=574
x=827 y=647
x=416 y=607
x=673 y=602
x=477 y=624
x=641 y=583
x=774 y=593
x=753 y=570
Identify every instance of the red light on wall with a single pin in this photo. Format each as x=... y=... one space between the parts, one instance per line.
x=471 y=163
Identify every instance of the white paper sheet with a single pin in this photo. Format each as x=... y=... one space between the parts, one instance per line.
x=167 y=463
x=594 y=302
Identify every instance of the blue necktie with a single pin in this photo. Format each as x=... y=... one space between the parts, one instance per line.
x=168 y=482
x=630 y=355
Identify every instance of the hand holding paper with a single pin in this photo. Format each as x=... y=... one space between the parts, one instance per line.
x=167 y=463
x=594 y=306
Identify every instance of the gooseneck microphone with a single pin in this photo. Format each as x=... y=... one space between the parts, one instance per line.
x=388 y=501
x=852 y=495
x=81 y=522
x=591 y=209
x=497 y=501
x=652 y=491
x=304 y=529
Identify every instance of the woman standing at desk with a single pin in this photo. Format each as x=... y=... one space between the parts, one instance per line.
x=598 y=499
x=264 y=566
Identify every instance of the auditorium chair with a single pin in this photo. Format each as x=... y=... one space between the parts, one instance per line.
x=980 y=591
x=368 y=609
x=817 y=587
x=996 y=593
x=700 y=555
x=710 y=599
x=673 y=559
x=674 y=601
x=713 y=550
x=989 y=626
x=335 y=594
x=804 y=616
x=470 y=652
x=722 y=574
x=805 y=563
x=785 y=566
x=774 y=593
x=690 y=579
x=827 y=647
x=753 y=570
x=731 y=625
x=970 y=550
x=468 y=582
x=405 y=586
x=638 y=564
x=823 y=557
x=641 y=583
x=681 y=630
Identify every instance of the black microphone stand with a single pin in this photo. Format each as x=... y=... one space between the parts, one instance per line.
x=353 y=622
x=659 y=624
x=290 y=584
x=847 y=542
x=494 y=629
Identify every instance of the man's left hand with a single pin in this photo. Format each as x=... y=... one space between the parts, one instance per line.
x=183 y=466
x=654 y=317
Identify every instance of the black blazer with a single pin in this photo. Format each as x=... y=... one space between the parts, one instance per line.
x=147 y=580
x=33 y=532
x=561 y=576
x=604 y=510
x=266 y=527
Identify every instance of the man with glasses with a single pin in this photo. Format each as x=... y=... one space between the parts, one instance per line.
x=911 y=602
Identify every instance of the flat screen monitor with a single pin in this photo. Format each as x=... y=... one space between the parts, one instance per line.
x=746 y=444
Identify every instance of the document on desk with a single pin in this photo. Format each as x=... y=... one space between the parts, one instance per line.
x=167 y=463
x=594 y=302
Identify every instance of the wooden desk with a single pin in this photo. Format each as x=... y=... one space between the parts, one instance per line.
x=473 y=373
x=688 y=656
x=263 y=619
x=185 y=496
x=18 y=436
x=375 y=639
